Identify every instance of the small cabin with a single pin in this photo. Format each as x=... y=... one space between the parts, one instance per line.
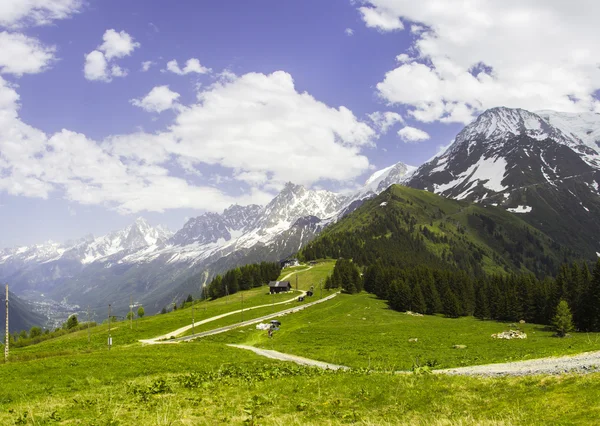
x=279 y=286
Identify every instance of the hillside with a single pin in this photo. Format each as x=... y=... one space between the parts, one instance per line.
x=21 y=315
x=408 y=227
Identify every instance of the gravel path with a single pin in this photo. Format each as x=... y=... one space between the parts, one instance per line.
x=292 y=358
x=587 y=362
x=163 y=339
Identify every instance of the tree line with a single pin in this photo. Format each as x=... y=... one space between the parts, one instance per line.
x=243 y=278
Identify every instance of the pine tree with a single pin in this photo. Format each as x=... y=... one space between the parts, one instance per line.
x=482 y=308
x=593 y=299
x=563 y=320
x=399 y=295
x=451 y=305
x=418 y=301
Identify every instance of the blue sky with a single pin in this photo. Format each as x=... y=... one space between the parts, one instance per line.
x=263 y=92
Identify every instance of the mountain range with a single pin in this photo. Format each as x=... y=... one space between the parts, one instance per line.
x=544 y=167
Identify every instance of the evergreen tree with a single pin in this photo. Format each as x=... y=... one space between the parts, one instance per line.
x=482 y=308
x=400 y=297
x=593 y=300
x=418 y=300
x=563 y=320
x=451 y=305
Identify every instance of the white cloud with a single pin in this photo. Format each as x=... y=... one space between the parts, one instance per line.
x=18 y=13
x=191 y=66
x=381 y=18
x=96 y=67
x=20 y=54
x=117 y=44
x=146 y=65
x=349 y=32
x=256 y=128
x=384 y=120
x=473 y=56
x=412 y=134
x=260 y=123
x=160 y=99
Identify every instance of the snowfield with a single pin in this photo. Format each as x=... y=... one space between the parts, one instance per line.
x=520 y=209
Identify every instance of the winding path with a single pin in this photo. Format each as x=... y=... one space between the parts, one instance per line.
x=588 y=362
x=293 y=358
x=173 y=334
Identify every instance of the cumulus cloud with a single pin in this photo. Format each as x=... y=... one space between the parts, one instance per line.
x=381 y=18
x=20 y=54
x=473 y=56
x=256 y=128
x=19 y=13
x=412 y=134
x=349 y=32
x=117 y=44
x=96 y=67
x=191 y=66
x=146 y=65
x=99 y=64
x=160 y=99
x=384 y=120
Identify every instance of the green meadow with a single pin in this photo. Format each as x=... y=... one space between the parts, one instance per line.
x=204 y=382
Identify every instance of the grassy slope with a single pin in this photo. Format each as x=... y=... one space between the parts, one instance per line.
x=152 y=326
x=360 y=331
x=443 y=216
x=147 y=386
x=152 y=384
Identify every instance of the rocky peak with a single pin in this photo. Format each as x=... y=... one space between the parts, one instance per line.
x=500 y=124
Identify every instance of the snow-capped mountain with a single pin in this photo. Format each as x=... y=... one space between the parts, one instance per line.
x=138 y=235
x=154 y=261
x=212 y=227
x=543 y=166
x=46 y=265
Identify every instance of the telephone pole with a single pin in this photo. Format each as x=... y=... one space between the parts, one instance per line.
x=109 y=338
x=7 y=337
x=242 y=293
x=130 y=312
x=88 y=321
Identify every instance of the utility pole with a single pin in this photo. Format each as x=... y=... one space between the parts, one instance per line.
x=130 y=312
x=109 y=338
x=7 y=337
x=88 y=321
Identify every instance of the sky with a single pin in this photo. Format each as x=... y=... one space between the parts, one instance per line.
x=112 y=109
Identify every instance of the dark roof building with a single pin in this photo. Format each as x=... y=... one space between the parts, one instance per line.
x=279 y=286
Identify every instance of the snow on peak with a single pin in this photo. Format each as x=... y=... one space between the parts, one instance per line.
x=503 y=123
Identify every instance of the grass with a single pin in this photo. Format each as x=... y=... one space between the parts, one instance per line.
x=205 y=382
x=360 y=331
x=156 y=325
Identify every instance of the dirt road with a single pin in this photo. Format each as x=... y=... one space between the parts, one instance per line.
x=163 y=339
x=588 y=362
x=292 y=358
